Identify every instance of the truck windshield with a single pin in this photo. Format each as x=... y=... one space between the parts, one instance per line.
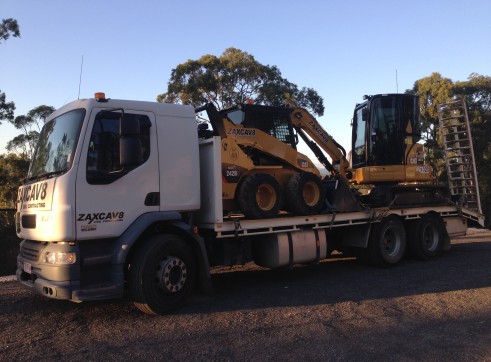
x=56 y=145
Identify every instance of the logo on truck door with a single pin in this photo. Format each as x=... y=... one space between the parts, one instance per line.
x=101 y=217
x=36 y=196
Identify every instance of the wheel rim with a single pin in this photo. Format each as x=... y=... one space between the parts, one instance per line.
x=391 y=244
x=172 y=274
x=311 y=193
x=430 y=238
x=265 y=197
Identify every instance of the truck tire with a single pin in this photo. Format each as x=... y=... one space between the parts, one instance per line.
x=161 y=274
x=427 y=238
x=305 y=194
x=387 y=243
x=259 y=196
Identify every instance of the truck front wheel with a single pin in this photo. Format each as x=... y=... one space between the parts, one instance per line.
x=387 y=243
x=161 y=274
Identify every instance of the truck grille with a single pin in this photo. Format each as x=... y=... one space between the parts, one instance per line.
x=31 y=250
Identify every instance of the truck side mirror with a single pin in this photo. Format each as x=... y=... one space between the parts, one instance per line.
x=130 y=146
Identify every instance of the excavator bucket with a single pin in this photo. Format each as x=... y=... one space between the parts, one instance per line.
x=340 y=197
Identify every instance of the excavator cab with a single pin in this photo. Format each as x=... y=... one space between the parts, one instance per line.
x=386 y=129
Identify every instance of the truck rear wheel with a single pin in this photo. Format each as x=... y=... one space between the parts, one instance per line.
x=427 y=238
x=387 y=243
x=161 y=275
x=259 y=196
x=305 y=194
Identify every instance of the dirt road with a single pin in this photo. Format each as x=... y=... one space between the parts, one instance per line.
x=338 y=310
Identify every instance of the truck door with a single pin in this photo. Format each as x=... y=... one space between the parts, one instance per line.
x=109 y=197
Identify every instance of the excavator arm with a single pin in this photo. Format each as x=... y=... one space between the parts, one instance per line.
x=305 y=124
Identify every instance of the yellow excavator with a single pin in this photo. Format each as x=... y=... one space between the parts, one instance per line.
x=386 y=129
x=263 y=172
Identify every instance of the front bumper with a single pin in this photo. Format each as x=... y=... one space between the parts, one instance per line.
x=48 y=288
x=53 y=281
x=98 y=279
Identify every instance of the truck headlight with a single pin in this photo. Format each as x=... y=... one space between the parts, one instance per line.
x=60 y=258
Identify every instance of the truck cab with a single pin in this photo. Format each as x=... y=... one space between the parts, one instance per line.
x=103 y=171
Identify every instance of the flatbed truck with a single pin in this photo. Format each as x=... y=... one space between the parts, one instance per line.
x=123 y=197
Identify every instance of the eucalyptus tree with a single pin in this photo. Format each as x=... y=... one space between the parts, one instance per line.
x=235 y=77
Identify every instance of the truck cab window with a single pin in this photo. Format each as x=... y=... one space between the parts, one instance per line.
x=103 y=155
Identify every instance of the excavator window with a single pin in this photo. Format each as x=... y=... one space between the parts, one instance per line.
x=386 y=129
x=359 y=142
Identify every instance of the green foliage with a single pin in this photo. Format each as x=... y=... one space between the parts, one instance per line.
x=13 y=168
x=31 y=125
x=233 y=78
x=477 y=93
x=434 y=90
x=8 y=28
x=6 y=109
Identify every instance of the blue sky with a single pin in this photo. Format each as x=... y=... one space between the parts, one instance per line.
x=342 y=49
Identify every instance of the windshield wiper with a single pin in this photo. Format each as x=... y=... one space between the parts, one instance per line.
x=45 y=176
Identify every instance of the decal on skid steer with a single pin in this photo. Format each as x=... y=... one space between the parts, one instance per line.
x=232 y=173
x=242 y=132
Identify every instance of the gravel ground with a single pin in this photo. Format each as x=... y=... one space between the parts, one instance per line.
x=337 y=310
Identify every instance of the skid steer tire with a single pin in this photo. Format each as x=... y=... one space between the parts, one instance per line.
x=258 y=196
x=305 y=194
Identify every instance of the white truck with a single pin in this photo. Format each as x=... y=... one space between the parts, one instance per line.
x=123 y=196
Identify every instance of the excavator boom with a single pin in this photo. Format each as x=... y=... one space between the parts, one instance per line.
x=305 y=123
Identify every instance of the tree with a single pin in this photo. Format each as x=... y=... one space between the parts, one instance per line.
x=433 y=90
x=31 y=125
x=6 y=109
x=8 y=28
x=477 y=93
x=233 y=78
x=13 y=168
